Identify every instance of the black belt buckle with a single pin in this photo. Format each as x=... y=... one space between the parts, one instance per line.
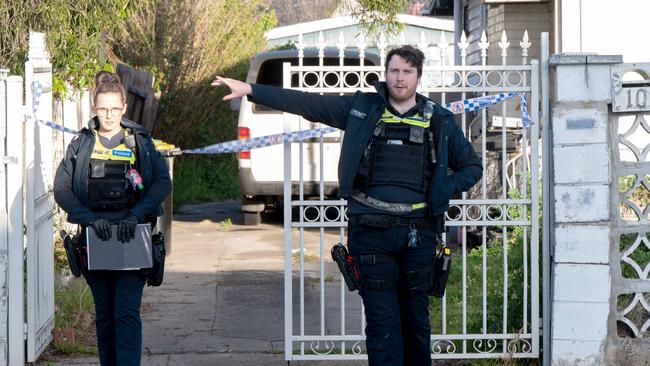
x=372 y=221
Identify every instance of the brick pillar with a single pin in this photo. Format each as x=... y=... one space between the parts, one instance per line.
x=581 y=279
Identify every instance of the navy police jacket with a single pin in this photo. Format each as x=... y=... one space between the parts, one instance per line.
x=71 y=179
x=358 y=115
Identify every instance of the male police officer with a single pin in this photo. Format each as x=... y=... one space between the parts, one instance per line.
x=393 y=171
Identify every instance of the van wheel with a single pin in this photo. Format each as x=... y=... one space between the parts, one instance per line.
x=252 y=218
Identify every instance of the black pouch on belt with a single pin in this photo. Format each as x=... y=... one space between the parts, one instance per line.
x=348 y=266
x=71 y=246
x=156 y=273
x=440 y=271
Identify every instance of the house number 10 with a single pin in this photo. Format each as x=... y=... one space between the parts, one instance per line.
x=641 y=98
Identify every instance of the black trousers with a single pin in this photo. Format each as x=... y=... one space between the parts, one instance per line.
x=117 y=296
x=395 y=294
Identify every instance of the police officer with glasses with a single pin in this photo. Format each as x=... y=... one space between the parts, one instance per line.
x=112 y=175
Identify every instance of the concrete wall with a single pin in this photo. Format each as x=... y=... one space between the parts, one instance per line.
x=580 y=268
x=589 y=293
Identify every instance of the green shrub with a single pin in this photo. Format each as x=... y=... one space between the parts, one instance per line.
x=493 y=253
x=641 y=255
x=74 y=305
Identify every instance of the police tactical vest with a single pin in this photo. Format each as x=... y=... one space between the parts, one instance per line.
x=108 y=187
x=401 y=152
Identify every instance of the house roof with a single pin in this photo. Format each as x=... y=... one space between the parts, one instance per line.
x=432 y=23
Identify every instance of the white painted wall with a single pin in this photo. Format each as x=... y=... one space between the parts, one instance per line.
x=606 y=27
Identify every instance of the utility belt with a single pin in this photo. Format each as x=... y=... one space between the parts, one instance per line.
x=386 y=221
x=396 y=208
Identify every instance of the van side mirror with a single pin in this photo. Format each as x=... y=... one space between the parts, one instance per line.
x=235 y=104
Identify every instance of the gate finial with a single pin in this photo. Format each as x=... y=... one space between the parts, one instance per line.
x=504 y=44
x=382 y=45
x=301 y=46
x=524 y=44
x=422 y=42
x=463 y=45
x=341 y=45
x=443 y=46
x=483 y=45
x=321 y=45
x=362 y=46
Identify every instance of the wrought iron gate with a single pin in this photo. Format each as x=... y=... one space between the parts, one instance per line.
x=491 y=308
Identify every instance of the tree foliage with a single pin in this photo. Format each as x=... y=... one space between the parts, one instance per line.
x=74 y=30
x=376 y=16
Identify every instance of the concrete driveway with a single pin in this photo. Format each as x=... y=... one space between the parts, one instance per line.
x=222 y=301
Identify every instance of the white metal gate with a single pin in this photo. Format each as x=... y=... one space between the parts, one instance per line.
x=491 y=307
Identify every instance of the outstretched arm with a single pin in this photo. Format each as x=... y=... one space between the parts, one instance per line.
x=331 y=110
x=238 y=88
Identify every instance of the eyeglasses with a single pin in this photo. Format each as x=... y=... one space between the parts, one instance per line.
x=106 y=111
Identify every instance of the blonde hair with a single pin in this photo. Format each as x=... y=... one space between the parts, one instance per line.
x=108 y=82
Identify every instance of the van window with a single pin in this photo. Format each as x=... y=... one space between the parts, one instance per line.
x=270 y=73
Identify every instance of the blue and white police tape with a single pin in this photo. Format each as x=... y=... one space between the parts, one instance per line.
x=461 y=106
x=475 y=104
x=262 y=141
x=37 y=90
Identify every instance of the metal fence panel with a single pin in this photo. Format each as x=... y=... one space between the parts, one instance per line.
x=491 y=309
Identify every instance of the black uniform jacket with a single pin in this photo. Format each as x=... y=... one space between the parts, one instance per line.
x=71 y=180
x=358 y=114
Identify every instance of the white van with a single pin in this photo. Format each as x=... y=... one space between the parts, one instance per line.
x=261 y=175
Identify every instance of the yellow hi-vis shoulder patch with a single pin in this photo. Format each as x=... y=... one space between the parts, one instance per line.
x=118 y=153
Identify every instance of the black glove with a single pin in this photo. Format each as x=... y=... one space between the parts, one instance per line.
x=126 y=228
x=102 y=228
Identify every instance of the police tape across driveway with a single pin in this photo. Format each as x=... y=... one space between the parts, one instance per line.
x=461 y=106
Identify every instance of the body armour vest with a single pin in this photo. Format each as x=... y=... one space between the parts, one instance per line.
x=401 y=152
x=108 y=187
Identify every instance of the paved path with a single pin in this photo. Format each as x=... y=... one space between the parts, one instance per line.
x=222 y=301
